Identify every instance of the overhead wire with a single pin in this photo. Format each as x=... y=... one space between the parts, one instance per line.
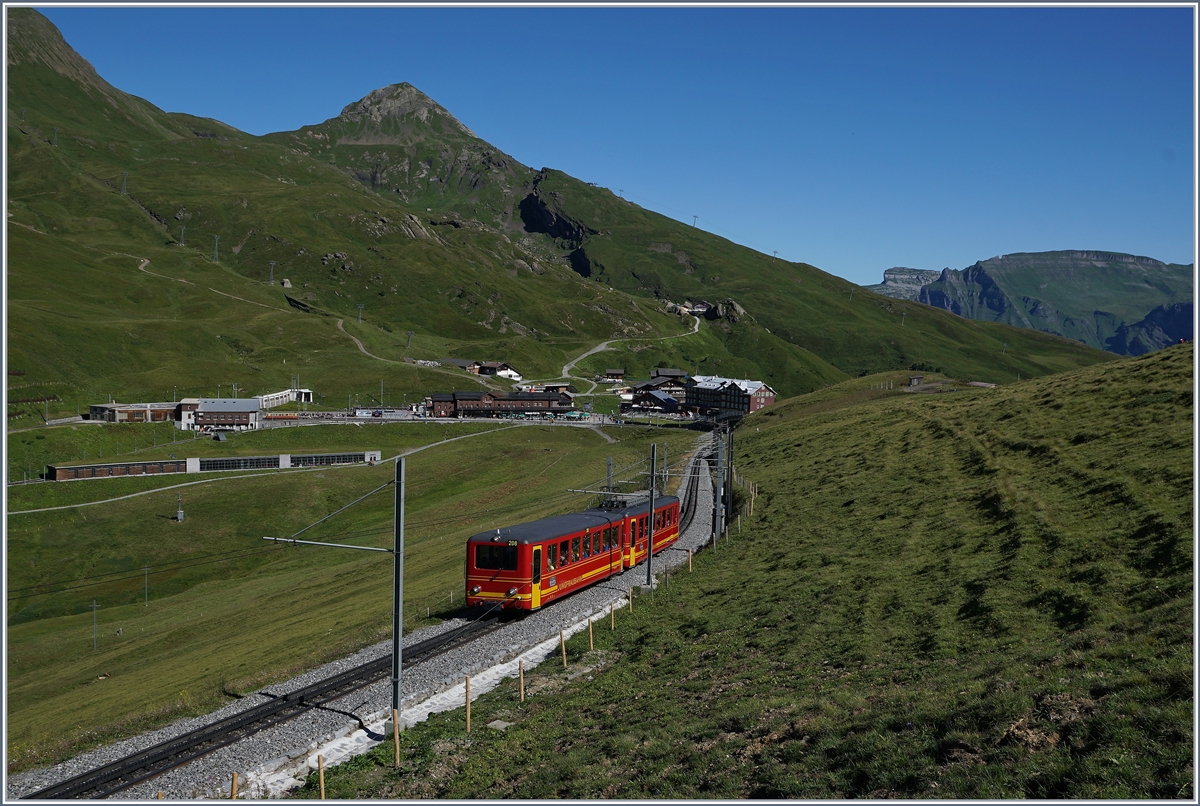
x=101 y=579
x=159 y=570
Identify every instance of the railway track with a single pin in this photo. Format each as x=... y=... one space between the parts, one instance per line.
x=124 y=773
x=119 y=775
x=689 y=495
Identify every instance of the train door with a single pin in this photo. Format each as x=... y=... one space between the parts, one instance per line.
x=627 y=543
x=535 y=596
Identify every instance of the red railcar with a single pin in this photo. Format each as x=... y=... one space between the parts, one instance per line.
x=531 y=564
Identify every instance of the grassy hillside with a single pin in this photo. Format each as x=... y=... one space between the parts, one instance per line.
x=294 y=607
x=86 y=313
x=982 y=594
x=396 y=206
x=858 y=332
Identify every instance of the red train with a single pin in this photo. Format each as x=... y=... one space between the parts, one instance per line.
x=529 y=565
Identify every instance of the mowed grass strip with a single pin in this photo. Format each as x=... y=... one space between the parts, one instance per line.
x=230 y=612
x=976 y=595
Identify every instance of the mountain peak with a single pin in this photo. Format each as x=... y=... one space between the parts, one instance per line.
x=400 y=103
x=34 y=39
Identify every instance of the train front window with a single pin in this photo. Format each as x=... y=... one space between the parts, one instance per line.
x=495 y=558
x=551 y=556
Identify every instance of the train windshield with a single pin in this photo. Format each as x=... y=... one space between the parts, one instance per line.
x=496 y=558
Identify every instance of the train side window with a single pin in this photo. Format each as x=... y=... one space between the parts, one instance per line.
x=551 y=556
x=587 y=546
x=575 y=549
x=562 y=552
x=596 y=543
x=607 y=539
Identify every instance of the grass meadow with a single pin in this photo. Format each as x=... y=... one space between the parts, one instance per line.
x=228 y=612
x=982 y=594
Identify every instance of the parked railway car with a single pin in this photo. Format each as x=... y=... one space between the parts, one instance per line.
x=526 y=566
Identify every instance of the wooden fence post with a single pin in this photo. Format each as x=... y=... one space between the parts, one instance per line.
x=631 y=600
x=233 y=788
x=521 y=673
x=396 y=734
x=689 y=561
x=612 y=616
x=468 y=705
x=321 y=774
x=563 y=643
x=591 y=642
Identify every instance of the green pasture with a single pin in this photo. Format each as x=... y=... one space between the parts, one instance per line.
x=229 y=612
x=976 y=595
x=77 y=443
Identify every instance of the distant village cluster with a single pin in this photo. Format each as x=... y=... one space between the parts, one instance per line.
x=668 y=392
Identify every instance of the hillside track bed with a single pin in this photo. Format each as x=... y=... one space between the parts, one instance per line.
x=269 y=709
x=276 y=746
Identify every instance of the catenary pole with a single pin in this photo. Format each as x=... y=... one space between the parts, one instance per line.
x=718 y=500
x=729 y=480
x=398 y=589
x=397 y=552
x=650 y=544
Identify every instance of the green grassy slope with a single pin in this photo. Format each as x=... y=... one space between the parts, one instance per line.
x=856 y=331
x=82 y=315
x=983 y=594
x=293 y=607
x=485 y=262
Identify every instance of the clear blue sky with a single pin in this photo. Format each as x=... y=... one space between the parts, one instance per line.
x=853 y=139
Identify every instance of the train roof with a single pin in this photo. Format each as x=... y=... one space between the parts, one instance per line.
x=556 y=525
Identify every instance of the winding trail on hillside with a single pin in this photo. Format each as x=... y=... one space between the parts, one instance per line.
x=362 y=349
x=604 y=345
x=146 y=262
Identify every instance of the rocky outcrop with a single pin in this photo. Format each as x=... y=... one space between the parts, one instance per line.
x=903 y=283
x=728 y=311
x=542 y=212
x=396 y=103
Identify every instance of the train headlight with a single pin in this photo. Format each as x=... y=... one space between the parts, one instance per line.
x=476 y=589
x=512 y=591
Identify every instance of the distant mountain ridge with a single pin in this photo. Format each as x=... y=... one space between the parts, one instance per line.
x=1122 y=303
x=904 y=283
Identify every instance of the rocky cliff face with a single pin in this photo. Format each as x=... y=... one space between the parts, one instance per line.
x=903 y=283
x=1122 y=303
x=1162 y=327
